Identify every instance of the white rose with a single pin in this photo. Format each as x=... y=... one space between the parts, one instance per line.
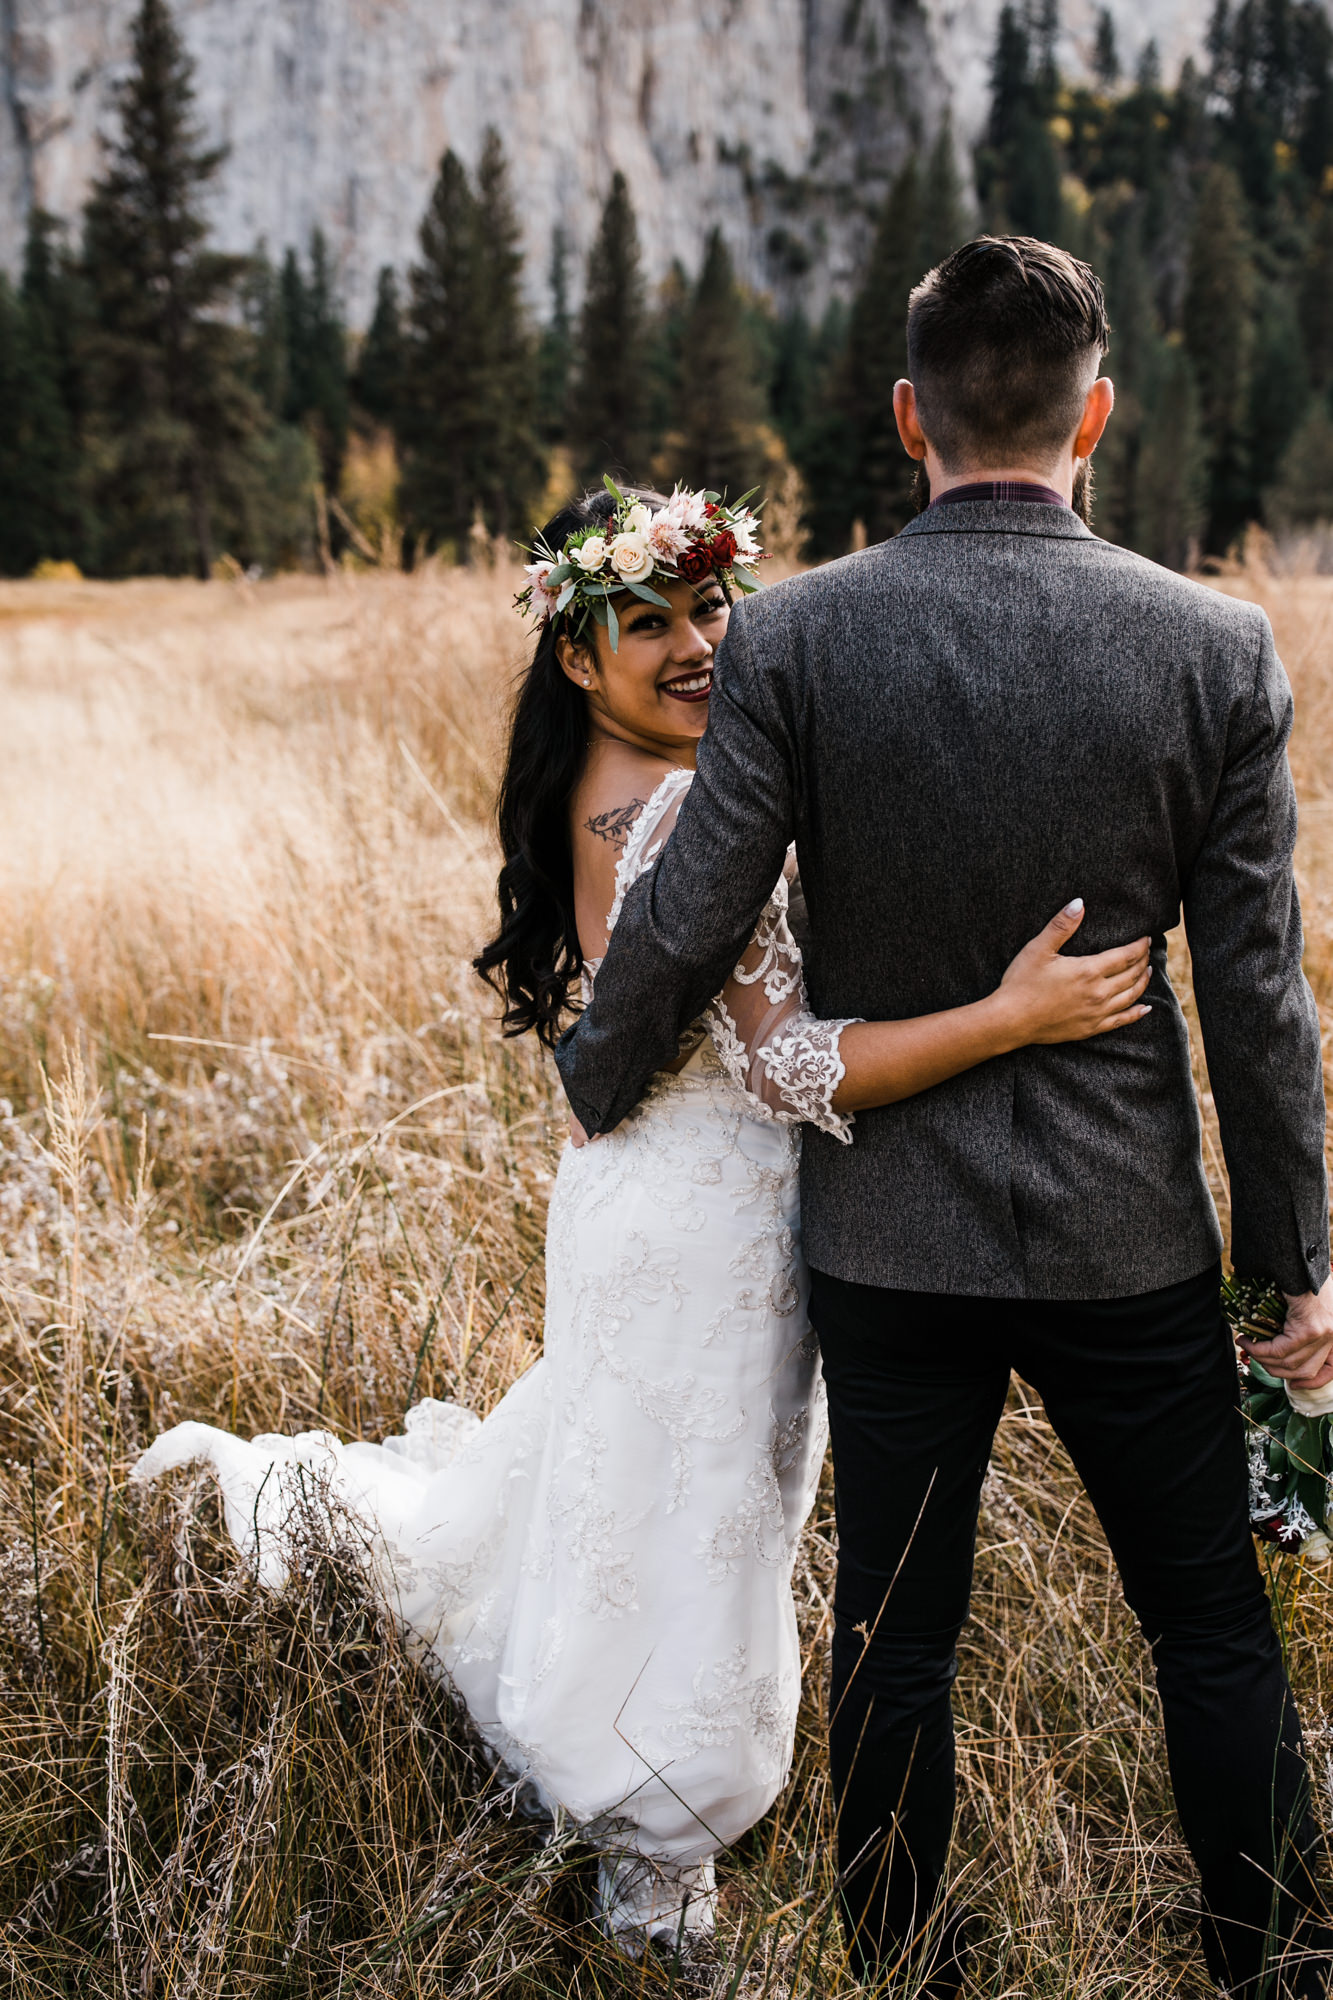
x=590 y=555
x=1311 y=1402
x=1317 y=1548
x=639 y=519
x=630 y=558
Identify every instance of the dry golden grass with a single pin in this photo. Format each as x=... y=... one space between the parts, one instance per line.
x=264 y=1160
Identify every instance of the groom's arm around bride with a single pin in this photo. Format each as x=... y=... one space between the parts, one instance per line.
x=962 y=729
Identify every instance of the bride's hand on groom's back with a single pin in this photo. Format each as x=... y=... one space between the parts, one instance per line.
x=1051 y=998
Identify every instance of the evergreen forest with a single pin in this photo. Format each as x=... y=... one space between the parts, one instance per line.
x=168 y=408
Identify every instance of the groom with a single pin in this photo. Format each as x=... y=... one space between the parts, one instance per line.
x=962 y=729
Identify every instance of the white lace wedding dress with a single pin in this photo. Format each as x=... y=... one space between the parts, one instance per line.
x=603 y=1566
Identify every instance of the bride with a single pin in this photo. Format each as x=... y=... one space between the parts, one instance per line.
x=603 y=1565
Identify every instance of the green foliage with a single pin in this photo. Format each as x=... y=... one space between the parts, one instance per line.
x=172 y=421
x=1106 y=56
x=849 y=451
x=379 y=381
x=720 y=404
x=1302 y=491
x=1207 y=209
x=316 y=391
x=469 y=434
x=608 y=407
x=41 y=486
x=1018 y=172
x=1218 y=329
x=879 y=475
x=163 y=403
x=666 y=346
x=265 y=320
x=555 y=348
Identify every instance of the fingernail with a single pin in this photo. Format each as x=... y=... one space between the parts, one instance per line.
x=1073 y=909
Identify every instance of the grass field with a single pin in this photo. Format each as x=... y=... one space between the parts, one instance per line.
x=264 y=1160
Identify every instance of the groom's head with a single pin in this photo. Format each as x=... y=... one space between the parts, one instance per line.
x=1004 y=342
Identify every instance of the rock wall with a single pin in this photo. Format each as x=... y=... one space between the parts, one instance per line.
x=778 y=119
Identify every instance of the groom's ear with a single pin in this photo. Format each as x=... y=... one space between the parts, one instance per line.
x=905 y=416
x=1097 y=408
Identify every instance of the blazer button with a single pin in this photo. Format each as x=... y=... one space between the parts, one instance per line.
x=1312 y=1251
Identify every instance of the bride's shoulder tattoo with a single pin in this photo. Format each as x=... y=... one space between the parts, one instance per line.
x=614 y=826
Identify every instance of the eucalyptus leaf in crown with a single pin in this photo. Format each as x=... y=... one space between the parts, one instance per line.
x=1289 y=1436
x=694 y=537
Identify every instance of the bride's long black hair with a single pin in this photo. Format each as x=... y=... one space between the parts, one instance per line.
x=534 y=958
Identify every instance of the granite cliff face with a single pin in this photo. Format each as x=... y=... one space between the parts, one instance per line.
x=779 y=119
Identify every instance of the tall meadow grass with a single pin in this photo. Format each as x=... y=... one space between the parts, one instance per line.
x=265 y=1161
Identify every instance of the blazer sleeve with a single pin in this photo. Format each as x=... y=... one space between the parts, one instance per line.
x=1260 y=1024
x=685 y=924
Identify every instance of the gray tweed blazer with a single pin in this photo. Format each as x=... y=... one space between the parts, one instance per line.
x=963 y=728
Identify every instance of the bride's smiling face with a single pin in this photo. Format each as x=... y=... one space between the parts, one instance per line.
x=653 y=690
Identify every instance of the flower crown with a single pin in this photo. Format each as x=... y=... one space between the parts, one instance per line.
x=695 y=536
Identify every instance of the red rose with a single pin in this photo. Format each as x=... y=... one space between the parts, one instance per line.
x=695 y=564
x=723 y=548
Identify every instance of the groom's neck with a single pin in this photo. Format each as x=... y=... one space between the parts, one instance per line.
x=1060 y=478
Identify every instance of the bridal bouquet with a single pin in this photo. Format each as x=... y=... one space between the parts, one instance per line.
x=1290 y=1447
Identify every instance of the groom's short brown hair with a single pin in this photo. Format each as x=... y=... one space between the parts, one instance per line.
x=1003 y=342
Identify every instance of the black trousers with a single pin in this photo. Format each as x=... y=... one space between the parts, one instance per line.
x=1142 y=1392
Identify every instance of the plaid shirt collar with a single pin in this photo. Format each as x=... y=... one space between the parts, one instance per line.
x=1003 y=489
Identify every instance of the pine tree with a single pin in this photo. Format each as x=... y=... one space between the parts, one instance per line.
x=879 y=475
x=514 y=467
x=52 y=480
x=440 y=438
x=1314 y=134
x=793 y=377
x=1045 y=17
x=175 y=419
x=1279 y=383
x=721 y=403
x=943 y=220
x=1316 y=298
x=40 y=496
x=555 y=349
x=666 y=347
x=1018 y=170
x=1131 y=362
x=1218 y=289
x=266 y=321
x=1299 y=495
x=1172 y=505
x=468 y=432
x=54 y=301
x=608 y=411
x=317 y=389
x=1106 y=56
x=378 y=384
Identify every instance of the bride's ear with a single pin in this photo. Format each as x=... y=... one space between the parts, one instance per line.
x=576 y=662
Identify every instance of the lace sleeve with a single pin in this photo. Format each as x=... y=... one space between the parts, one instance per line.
x=784 y=1058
